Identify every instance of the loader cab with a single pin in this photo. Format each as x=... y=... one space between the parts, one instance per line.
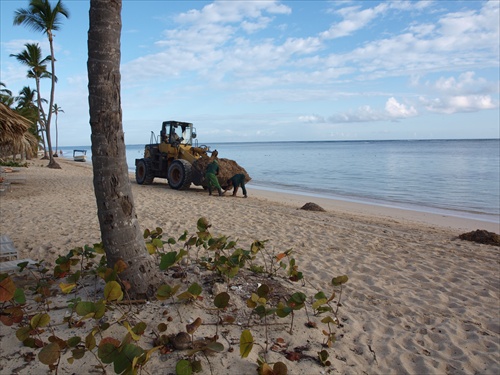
x=177 y=133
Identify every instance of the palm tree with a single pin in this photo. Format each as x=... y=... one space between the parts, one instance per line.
x=40 y=16
x=27 y=108
x=26 y=98
x=32 y=57
x=6 y=95
x=56 y=110
x=121 y=235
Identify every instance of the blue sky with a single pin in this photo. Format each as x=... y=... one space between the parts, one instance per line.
x=282 y=70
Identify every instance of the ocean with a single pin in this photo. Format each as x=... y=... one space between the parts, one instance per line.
x=453 y=177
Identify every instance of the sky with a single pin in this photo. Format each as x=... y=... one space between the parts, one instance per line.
x=256 y=71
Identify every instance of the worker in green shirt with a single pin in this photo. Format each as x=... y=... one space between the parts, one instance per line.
x=211 y=176
x=235 y=182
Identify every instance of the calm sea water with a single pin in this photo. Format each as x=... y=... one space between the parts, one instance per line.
x=454 y=177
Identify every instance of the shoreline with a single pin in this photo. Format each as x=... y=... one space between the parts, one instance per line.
x=428 y=216
x=456 y=214
x=376 y=210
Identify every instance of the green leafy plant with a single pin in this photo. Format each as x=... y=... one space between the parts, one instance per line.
x=107 y=305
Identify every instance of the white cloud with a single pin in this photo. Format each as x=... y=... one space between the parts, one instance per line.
x=232 y=11
x=311 y=118
x=393 y=111
x=464 y=85
x=397 y=110
x=456 y=104
x=353 y=19
x=463 y=94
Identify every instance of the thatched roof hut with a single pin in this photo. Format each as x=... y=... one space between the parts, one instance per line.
x=15 y=137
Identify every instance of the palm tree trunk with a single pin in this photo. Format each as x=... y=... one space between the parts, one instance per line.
x=121 y=235
x=57 y=138
x=41 y=116
x=52 y=162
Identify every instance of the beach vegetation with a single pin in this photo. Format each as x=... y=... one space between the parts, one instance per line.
x=114 y=334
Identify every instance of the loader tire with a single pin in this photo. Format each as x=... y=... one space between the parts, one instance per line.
x=180 y=175
x=143 y=172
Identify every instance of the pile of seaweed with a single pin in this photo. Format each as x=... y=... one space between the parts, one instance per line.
x=312 y=207
x=481 y=236
x=227 y=169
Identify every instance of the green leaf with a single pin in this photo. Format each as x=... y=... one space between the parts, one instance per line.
x=158 y=243
x=221 y=300
x=186 y=295
x=74 y=277
x=183 y=367
x=284 y=311
x=215 y=347
x=23 y=333
x=139 y=328
x=339 y=280
x=166 y=291
x=263 y=291
x=319 y=295
x=297 y=300
x=327 y=319
x=90 y=341
x=74 y=341
x=195 y=289
x=19 y=296
x=99 y=248
x=40 y=320
x=108 y=349
x=168 y=260
x=318 y=303
x=49 y=354
x=125 y=358
x=202 y=224
x=113 y=291
x=246 y=343
x=323 y=356
x=84 y=308
x=100 y=309
x=78 y=353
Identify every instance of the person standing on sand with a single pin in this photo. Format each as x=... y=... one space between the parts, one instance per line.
x=235 y=182
x=211 y=177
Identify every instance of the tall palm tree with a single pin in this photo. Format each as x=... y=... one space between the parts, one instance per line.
x=40 y=16
x=31 y=56
x=56 y=110
x=121 y=235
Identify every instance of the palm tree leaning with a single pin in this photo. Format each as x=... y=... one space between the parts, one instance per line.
x=32 y=57
x=121 y=235
x=40 y=16
x=56 y=110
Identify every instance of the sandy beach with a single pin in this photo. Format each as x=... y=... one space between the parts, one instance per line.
x=418 y=300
